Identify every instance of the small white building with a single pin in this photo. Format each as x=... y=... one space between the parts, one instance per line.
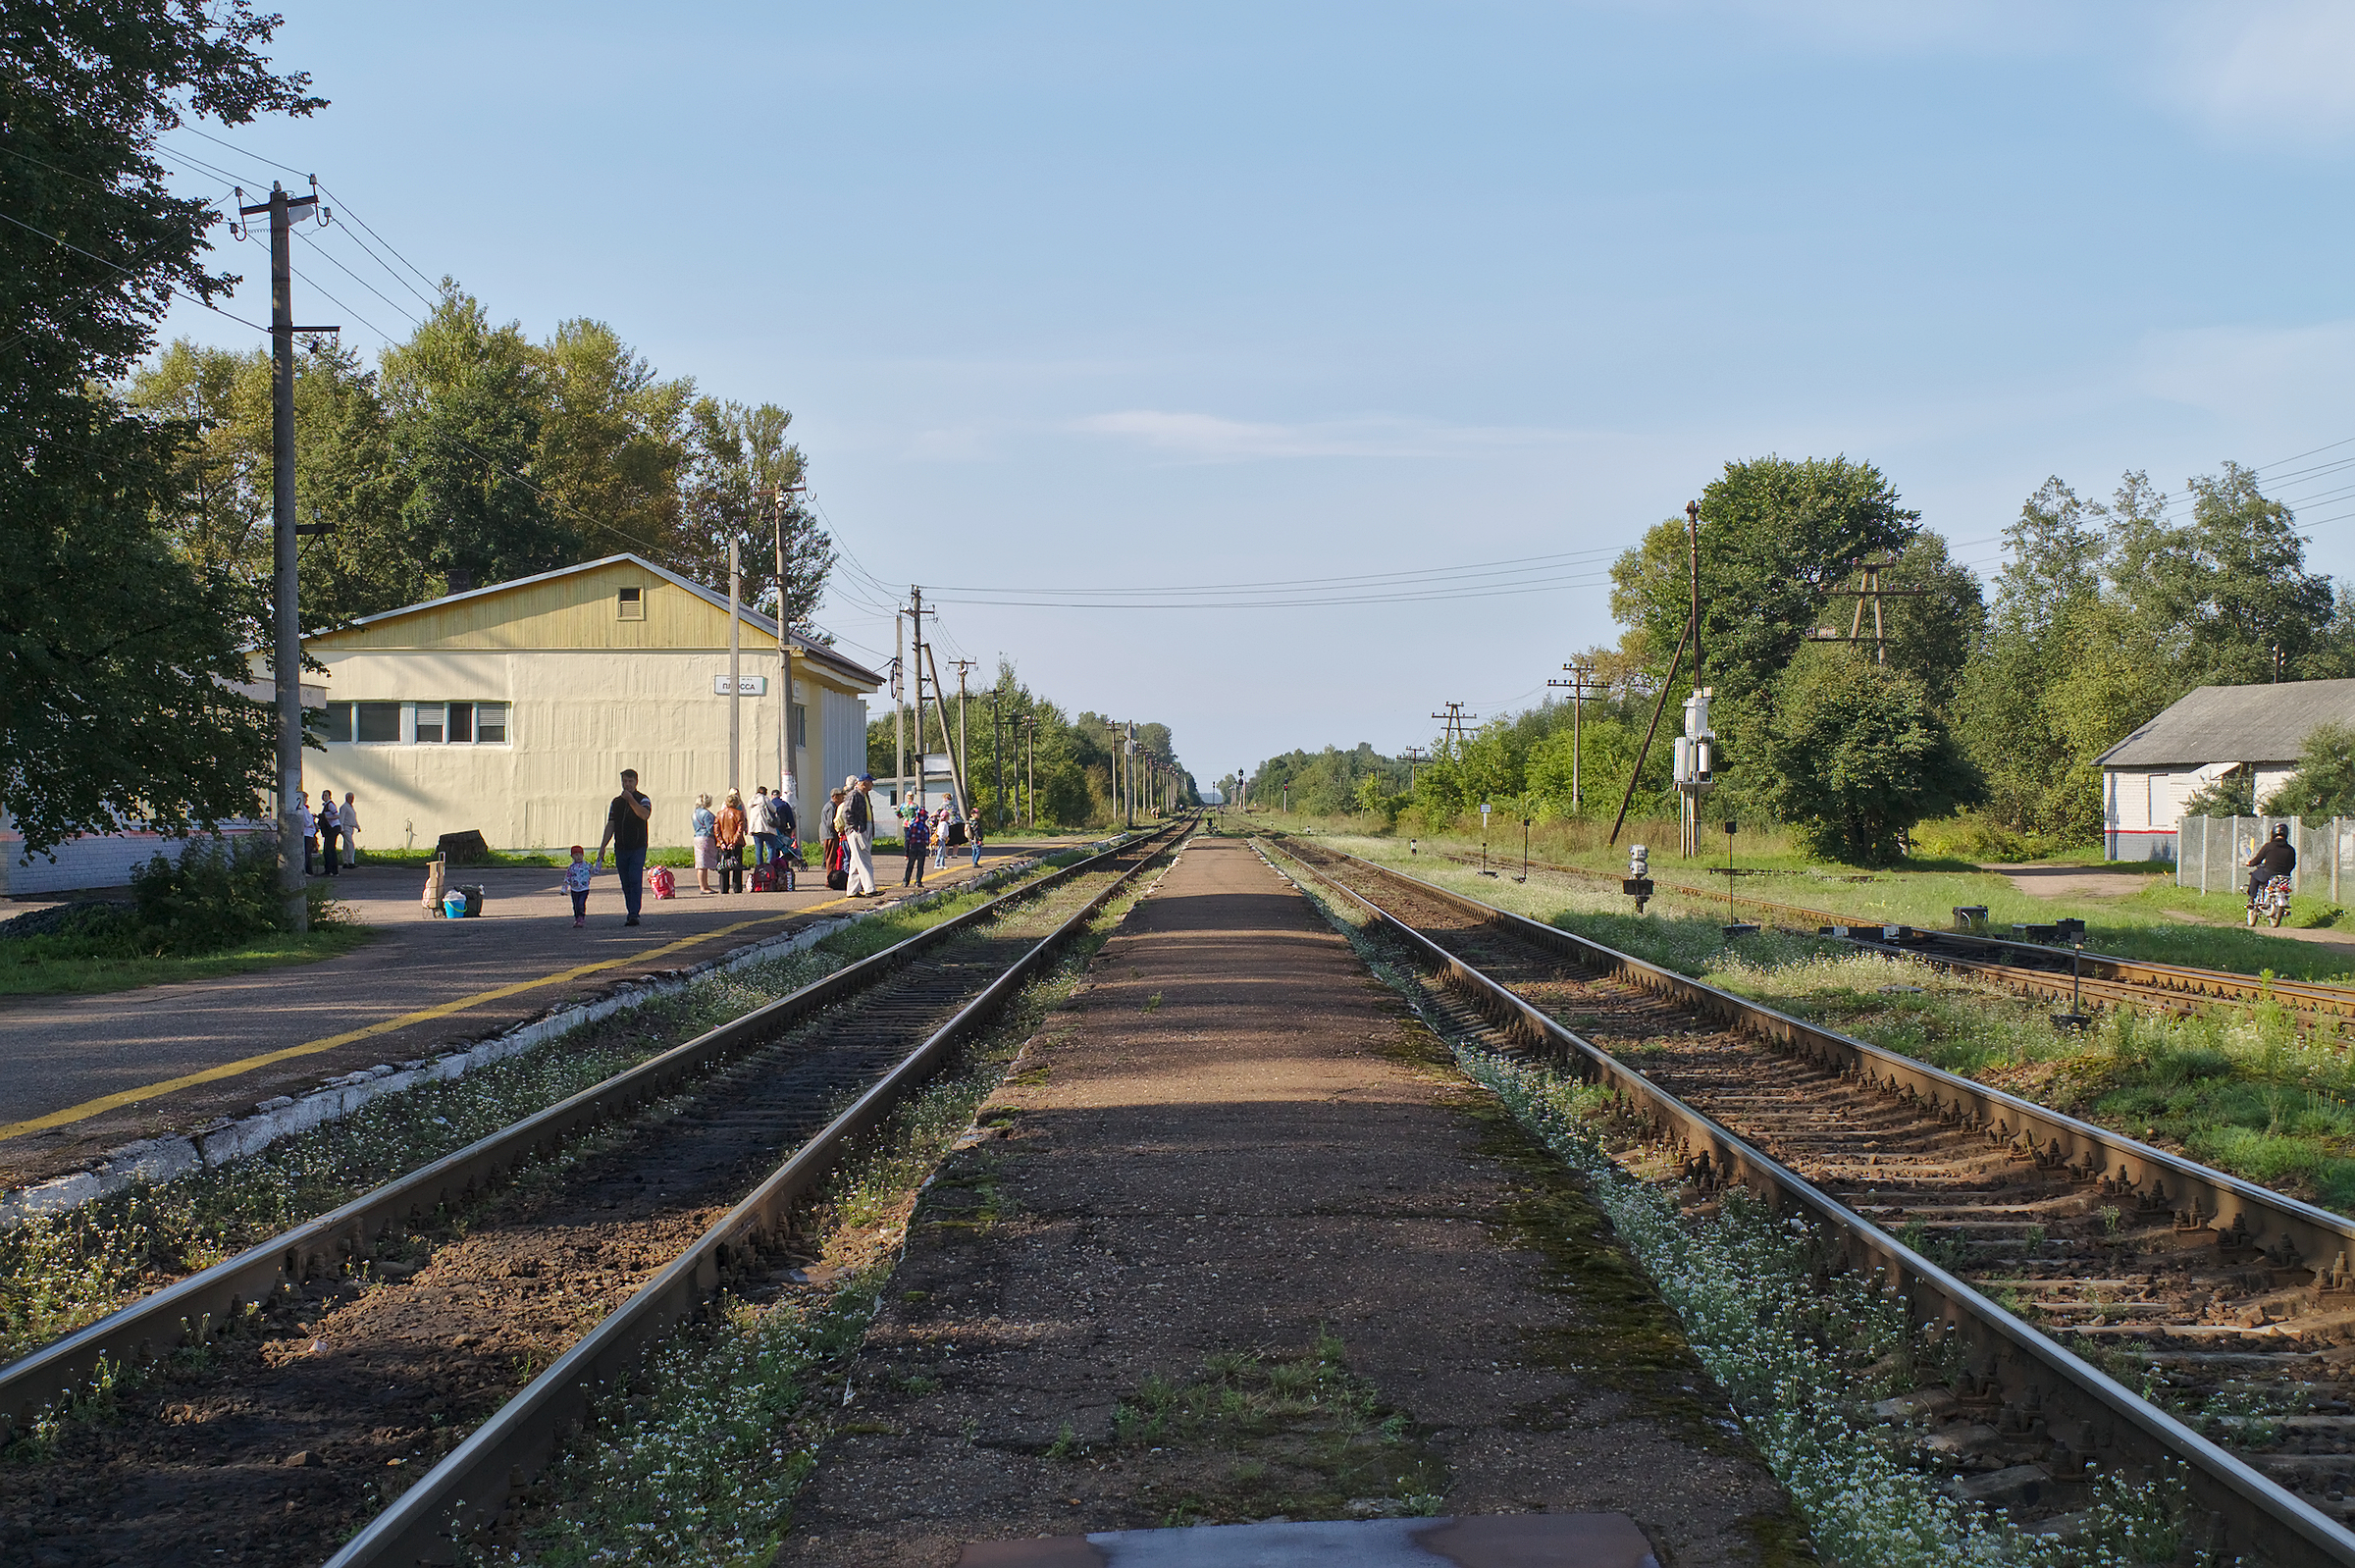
x=2209 y=733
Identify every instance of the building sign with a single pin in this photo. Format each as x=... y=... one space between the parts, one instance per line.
x=745 y=686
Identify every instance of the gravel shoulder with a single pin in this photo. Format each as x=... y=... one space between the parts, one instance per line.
x=1235 y=1164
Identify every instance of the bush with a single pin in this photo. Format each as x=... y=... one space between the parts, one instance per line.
x=216 y=895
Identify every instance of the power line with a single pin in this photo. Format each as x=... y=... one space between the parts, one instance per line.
x=1277 y=584
x=169 y=293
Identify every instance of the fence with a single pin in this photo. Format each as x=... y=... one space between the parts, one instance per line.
x=2211 y=851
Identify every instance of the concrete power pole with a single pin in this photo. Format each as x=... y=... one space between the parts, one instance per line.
x=1580 y=683
x=735 y=666
x=964 y=762
x=286 y=652
x=899 y=714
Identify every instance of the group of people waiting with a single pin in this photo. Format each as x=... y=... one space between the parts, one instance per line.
x=939 y=830
x=768 y=824
x=336 y=826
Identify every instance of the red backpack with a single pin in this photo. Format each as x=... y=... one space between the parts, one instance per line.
x=665 y=885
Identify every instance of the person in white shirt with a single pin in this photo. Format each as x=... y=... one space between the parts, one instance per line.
x=350 y=817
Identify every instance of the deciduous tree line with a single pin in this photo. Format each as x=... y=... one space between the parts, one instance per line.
x=470 y=454
x=1992 y=706
x=134 y=511
x=1061 y=775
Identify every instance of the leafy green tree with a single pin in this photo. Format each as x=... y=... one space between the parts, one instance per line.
x=2012 y=711
x=1857 y=756
x=116 y=644
x=1779 y=542
x=2325 y=783
x=2226 y=598
x=739 y=472
x=613 y=441
x=467 y=401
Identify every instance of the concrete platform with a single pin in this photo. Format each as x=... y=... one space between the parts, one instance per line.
x=1492 y=1541
x=1232 y=1169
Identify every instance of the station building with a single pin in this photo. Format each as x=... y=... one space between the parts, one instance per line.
x=511 y=709
x=2210 y=732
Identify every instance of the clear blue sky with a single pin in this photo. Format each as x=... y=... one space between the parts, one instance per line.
x=1076 y=298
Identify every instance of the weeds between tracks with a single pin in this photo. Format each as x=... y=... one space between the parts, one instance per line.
x=1802 y=1347
x=61 y=1271
x=701 y=1460
x=2235 y=1087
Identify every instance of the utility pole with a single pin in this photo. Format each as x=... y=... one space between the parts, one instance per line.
x=735 y=664
x=997 y=758
x=1030 y=766
x=285 y=653
x=965 y=763
x=1413 y=755
x=788 y=765
x=899 y=714
x=1455 y=717
x=1581 y=682
x=1691 y=639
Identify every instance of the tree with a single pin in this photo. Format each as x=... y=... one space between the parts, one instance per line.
x=1778 y=540
x=740 y=470
x=117 y=645
x=2325 y=783
x=2226 y=598
x=1857 y=756
x=2032 y=667
x=613 y=441
x=466 y=401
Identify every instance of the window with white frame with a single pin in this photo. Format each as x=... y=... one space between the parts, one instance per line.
x=417 y=723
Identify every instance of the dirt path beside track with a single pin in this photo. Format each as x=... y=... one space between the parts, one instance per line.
x=1239 y=1242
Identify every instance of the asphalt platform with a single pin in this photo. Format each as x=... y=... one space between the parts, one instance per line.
x=91 y=1073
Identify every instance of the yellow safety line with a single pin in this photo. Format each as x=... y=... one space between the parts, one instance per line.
x=229 y=1069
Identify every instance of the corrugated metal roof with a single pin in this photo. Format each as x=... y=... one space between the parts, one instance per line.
x=2237 y=724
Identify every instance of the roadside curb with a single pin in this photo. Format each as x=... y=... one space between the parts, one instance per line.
x=220 y=1142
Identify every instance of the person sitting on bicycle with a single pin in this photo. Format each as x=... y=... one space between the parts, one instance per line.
x=2277 y=859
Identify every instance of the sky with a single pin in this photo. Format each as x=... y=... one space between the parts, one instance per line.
x=1097 y=321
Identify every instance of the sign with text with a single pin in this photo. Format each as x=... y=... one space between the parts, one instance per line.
x=745 y=686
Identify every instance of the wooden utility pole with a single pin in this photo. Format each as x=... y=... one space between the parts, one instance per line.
x=286 y=649
x=1580 y=683
x=1456 y=718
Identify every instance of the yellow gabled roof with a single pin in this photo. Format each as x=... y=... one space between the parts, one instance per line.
x=577 y=607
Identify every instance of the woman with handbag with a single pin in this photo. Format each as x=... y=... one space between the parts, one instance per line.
x=731 y=830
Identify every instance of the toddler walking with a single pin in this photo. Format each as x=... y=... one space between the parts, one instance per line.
x=576 y=883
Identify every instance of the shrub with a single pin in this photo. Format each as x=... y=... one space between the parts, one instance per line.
x=215 y=895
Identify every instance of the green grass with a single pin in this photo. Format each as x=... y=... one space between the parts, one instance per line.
x=67 y=966
x=511 y=858
x=2149 y=923
x=2235 y=1087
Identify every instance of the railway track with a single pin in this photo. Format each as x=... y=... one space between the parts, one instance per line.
x=2038 y=964
x=386 y=1332
x=2055 y=1248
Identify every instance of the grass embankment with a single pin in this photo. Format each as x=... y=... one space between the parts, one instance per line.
x=2158 y=921
x=2235 y=1087
x=69 y=966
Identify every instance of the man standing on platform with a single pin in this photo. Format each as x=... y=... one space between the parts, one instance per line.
x=859 y=834
x=626 y=830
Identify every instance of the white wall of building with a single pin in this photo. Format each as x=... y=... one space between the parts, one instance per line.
x=575 y=718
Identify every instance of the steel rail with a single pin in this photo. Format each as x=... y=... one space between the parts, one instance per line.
x=204 y=1303
x=2258 y=1516
x=2149 y=979
x=464 y=1492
